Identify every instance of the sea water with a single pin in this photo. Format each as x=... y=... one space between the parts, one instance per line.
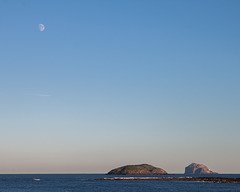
x=88 y=183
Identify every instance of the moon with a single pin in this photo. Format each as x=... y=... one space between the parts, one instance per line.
x=41 y=27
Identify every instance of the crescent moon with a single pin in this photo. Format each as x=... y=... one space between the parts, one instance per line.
x=41 y=27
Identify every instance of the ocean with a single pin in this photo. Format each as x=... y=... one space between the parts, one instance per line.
x=87 y=183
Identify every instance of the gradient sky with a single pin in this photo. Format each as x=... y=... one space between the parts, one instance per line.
x=110 y=83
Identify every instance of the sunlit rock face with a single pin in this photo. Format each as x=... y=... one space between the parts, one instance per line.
x=195 y=168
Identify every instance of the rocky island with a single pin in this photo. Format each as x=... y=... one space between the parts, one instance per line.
x=145 y=169
x=195 y=168
x=142 y=169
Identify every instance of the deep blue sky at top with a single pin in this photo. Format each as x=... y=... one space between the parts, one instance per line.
x=145 y=71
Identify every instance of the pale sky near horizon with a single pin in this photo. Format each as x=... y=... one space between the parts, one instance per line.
x=111 y=83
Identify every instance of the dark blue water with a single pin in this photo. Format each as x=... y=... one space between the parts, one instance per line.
x=86 y=183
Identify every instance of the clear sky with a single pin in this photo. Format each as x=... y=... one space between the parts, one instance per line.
x=110 y=83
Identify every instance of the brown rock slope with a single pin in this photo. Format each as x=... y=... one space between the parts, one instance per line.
x=143 y=169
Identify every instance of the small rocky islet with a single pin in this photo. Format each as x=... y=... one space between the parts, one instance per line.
x=195 y=168
x=142 y=169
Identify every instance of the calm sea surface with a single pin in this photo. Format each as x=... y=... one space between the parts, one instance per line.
x=86 y=183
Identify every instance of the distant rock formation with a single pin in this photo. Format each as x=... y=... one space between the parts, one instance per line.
x=195 y=168
x=143 y=169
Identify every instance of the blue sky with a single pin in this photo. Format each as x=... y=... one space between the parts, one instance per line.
x=109 y=83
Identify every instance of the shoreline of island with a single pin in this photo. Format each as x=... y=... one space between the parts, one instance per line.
x=195 y=179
